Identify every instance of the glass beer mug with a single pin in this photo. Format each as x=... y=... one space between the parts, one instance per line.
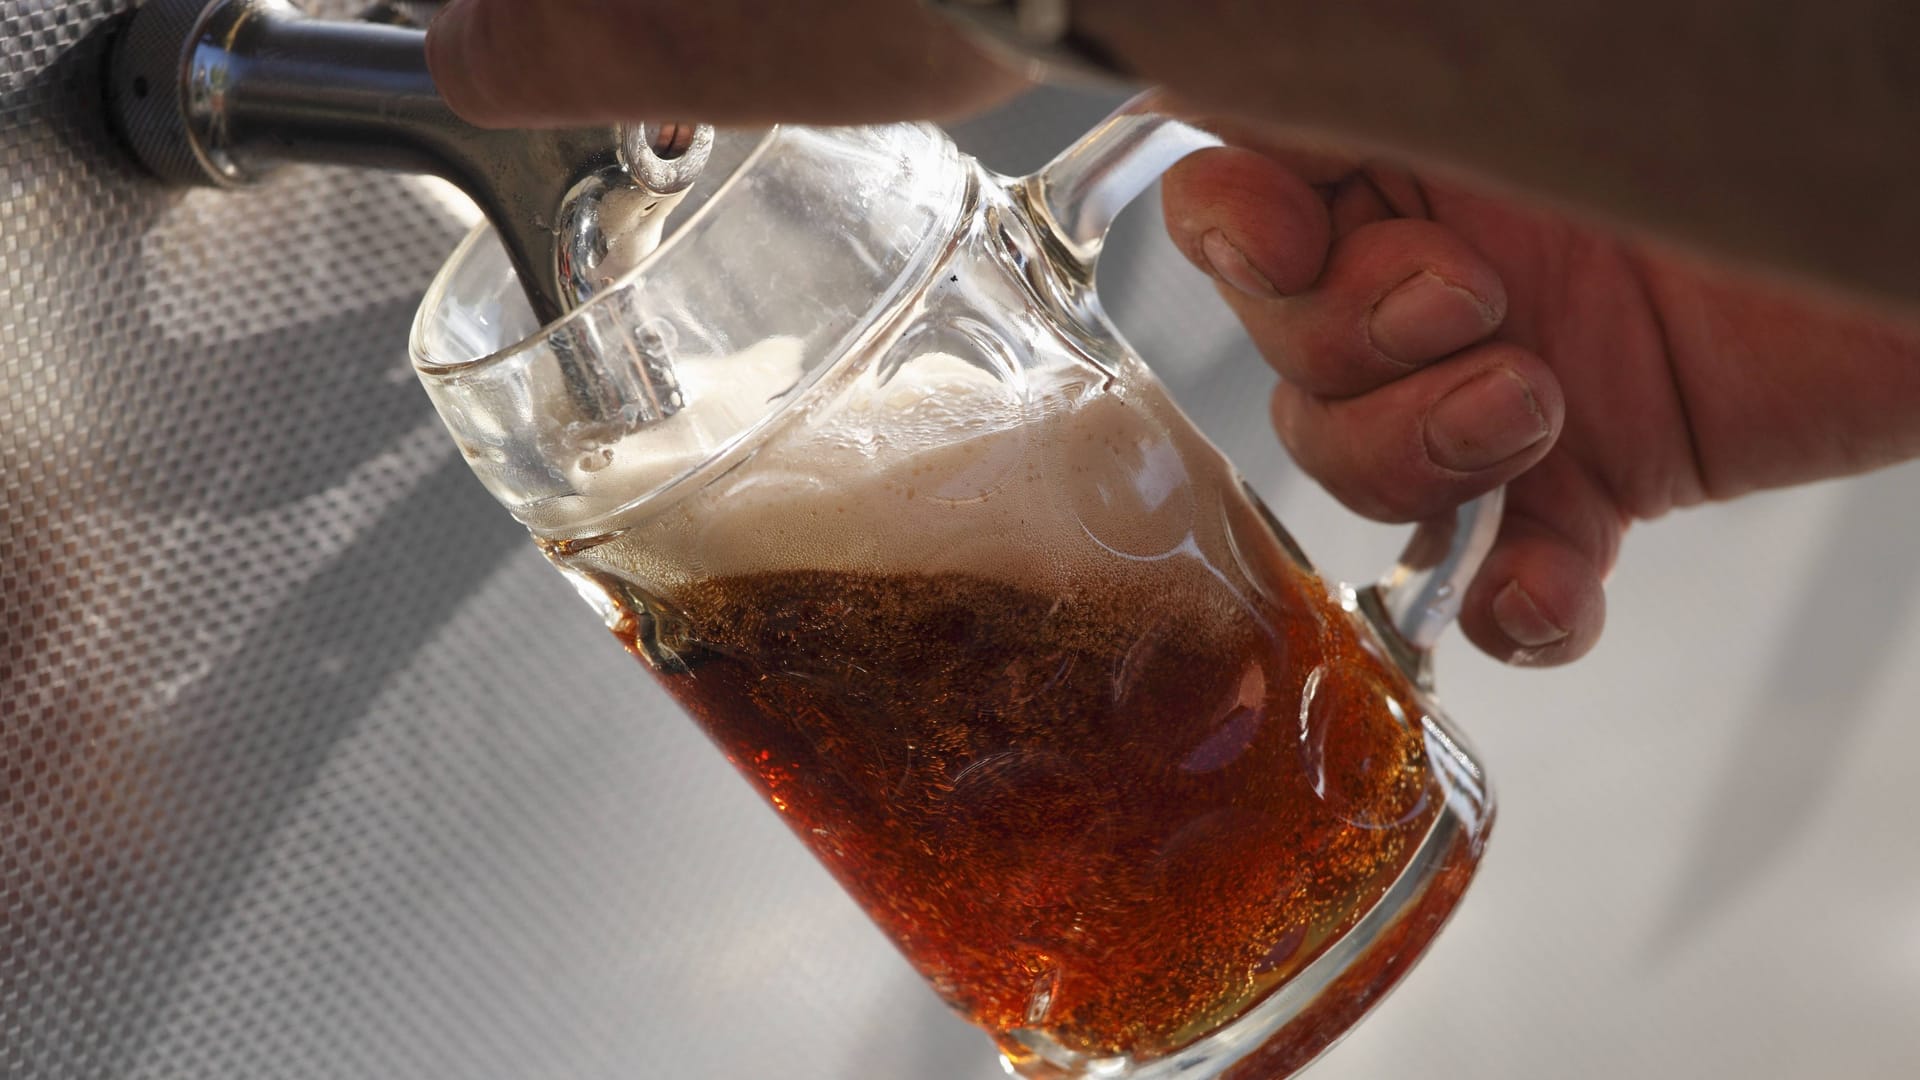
x=856 y=465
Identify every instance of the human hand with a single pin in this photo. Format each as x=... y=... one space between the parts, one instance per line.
x=1644 y=382
x=1435 y=343
x=1786 y=144
x=532 y=63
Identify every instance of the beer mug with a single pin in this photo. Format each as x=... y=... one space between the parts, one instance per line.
x=855 y=464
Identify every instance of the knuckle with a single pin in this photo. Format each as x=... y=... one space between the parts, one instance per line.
x=1331 y=357
x=1350 y=466
x=1398 y=495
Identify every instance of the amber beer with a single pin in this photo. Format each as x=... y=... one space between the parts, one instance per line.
x=1053 y=702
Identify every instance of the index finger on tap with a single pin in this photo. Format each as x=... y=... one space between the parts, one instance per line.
x=545 y=63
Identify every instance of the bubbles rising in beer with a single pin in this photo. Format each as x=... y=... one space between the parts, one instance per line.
x=1239 y=725
x=1041 y=998
x=1082 y=734
x=1091 y=845
x=1362 y=746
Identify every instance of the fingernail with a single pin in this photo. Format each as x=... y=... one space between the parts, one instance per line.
x=1427 y=317
x=1232 y=266
x=1522 y=620
x=1483 y=422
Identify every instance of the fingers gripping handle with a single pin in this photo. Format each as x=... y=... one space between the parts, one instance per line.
x=1086 y=187
x=1421 y=596
x=1083 y=190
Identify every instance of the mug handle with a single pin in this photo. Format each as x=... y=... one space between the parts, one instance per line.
x=1079 y=193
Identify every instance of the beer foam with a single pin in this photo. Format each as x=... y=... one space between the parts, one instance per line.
x=722 y=396
x=935 y=464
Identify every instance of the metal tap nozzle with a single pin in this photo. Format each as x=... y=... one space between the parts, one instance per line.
x=218 y=91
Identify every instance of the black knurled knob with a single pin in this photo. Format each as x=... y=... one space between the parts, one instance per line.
x=145 y=89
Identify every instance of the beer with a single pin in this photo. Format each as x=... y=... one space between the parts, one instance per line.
x=1054 y=704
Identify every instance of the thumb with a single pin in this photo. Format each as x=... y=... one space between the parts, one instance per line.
x=534 y=63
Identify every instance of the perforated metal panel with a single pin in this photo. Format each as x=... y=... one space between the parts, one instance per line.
x=212 y=461
x=309 y=766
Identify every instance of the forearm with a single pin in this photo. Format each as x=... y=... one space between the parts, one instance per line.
x=1778 y=387
x=1786 y=132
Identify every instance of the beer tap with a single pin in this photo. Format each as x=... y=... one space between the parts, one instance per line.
x=218 y=92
